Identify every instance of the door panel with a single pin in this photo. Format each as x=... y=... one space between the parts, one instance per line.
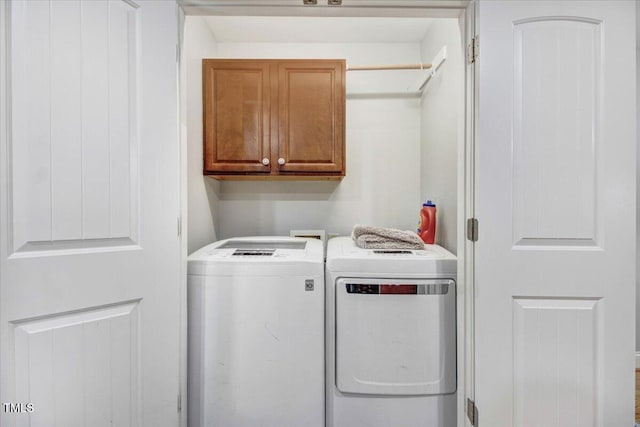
x=555 y=262
x=95 y=351
x=90 y=260
x=556 y=136
x=74 y=158
x=555 y=360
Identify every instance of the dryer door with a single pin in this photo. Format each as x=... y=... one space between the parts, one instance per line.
x=395 y=337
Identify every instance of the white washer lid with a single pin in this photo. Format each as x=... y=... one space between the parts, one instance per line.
x=264 y=255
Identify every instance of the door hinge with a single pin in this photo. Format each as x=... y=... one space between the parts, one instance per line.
x=179 y=402
x=472 y=412
x=473 y=49
x=472 y=229
x=179 y=227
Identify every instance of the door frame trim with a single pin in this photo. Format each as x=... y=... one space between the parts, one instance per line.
x=467 y=191
x=6 y=375
x=385 y=8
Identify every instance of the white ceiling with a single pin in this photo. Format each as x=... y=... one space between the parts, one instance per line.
x=305 y=29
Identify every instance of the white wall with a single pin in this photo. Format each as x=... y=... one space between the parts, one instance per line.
x=382 y=152
x=201 y=191
x=441 y=124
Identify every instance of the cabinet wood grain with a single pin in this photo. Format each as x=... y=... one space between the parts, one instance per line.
x=311 y=110
x=237 y=104
x=274 y=119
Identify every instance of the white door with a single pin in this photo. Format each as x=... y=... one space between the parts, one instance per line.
x=89 y=246
x=555 y=260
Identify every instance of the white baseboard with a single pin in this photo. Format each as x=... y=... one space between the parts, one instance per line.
x=637 y=359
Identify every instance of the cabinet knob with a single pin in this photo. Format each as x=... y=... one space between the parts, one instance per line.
x=265 y=161
x=281 y=161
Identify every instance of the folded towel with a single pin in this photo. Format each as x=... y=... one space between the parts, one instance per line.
x=370 y=237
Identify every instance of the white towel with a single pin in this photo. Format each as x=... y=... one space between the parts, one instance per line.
x=371 y=237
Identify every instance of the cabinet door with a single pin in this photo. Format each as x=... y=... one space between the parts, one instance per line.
x=311 y=106
x=236 y=98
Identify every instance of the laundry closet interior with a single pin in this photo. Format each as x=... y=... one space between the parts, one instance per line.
x=402 y=143
x=404 y=130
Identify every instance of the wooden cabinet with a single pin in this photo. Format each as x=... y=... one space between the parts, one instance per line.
x=274 y=118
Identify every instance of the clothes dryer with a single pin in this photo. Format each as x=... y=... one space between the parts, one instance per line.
x=390 y=336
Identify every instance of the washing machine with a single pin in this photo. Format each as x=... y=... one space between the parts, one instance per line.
x=256 y=333
x=390 y=336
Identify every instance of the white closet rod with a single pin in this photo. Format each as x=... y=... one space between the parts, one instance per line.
x=424 y=66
